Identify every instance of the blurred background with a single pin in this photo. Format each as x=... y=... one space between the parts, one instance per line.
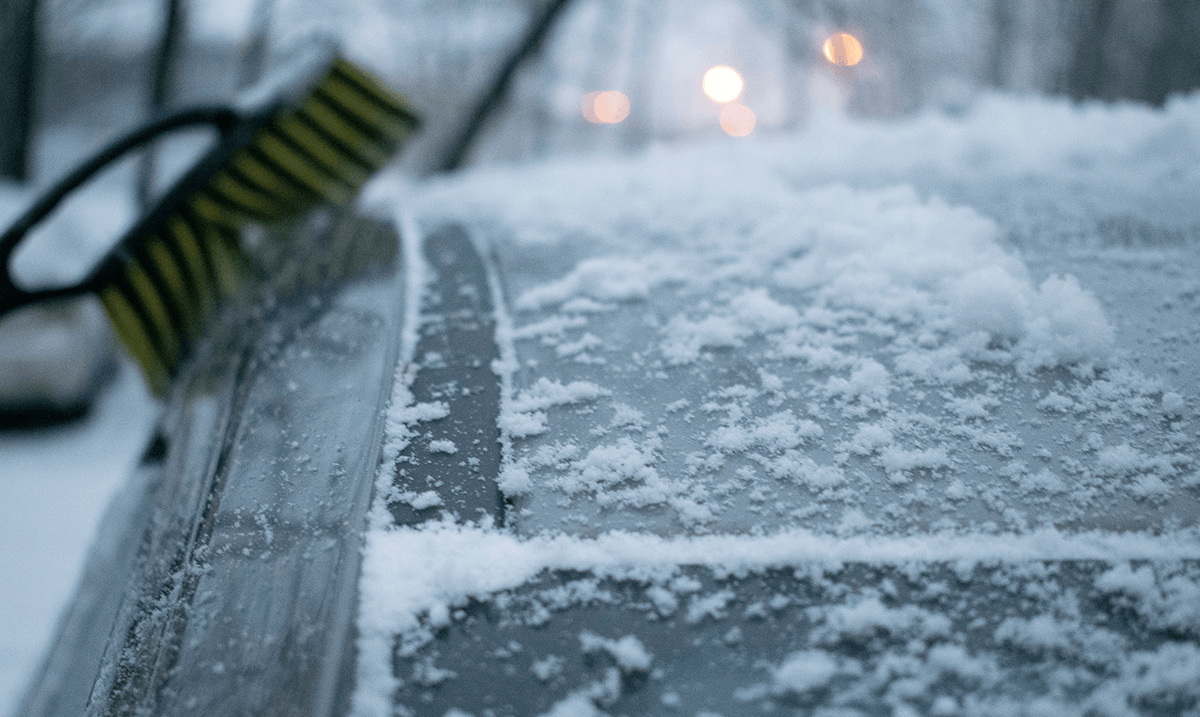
x=78 y=71
x=496 y=82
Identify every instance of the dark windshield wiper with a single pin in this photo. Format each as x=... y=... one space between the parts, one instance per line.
x=490 y=101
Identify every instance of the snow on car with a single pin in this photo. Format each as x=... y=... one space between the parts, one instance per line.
x=770 y=442
x=869 y=419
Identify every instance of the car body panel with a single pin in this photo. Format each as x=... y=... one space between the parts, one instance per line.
x=231 y=586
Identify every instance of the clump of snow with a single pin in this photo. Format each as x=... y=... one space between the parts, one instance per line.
x=1172 y=403
x=708 y=606
x=628 y=652
x=603 y=279
x=664 y=600
x=885 y=252
x=866 y=618
x=427 y=674
x=899 y=462
x=1168 y=596
x=548 y=667
x=577 y=704
x=525 y=414
x=523 y=425
x=868 y=384
x=420 y=501
x=776 y=432
x=1059 y=323
x=1066 y=326
x=546 y=393
x=803 y=671
x=749 y=313
x=1119 y=460
x=442 y=446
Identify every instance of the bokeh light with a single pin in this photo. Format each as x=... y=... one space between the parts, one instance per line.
x=611 y=107
x=588 y=106
x=737 y=119
x=605 y=107
x=722 y=84
x=843 y=49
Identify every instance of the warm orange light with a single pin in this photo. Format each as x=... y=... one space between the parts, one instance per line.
x=737 y=119
x=722 y=84
x=611 y=107
x=843 y=49
x=605 y=107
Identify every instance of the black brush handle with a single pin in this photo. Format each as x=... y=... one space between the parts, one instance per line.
x=223 y=119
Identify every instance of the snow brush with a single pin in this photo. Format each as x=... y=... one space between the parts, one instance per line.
x=311 y=137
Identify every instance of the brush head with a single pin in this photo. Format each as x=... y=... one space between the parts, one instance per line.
x=311 y=136
x=330 y=126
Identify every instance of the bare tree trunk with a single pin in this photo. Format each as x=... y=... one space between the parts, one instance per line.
x=1174 y=63
x=18 y=85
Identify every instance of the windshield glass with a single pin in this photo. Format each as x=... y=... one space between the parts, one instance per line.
x=838 y=415
x=710 y=341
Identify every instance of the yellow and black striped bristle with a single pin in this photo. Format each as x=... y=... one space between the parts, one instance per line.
x=321 y=151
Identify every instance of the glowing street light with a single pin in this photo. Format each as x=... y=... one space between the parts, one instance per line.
x=843 y=49
x=608 y=107
x=611 y=107
x=722 y=84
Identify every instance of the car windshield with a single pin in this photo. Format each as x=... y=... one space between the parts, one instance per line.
x=957 y=337
x=708 y=342
x=898 y=305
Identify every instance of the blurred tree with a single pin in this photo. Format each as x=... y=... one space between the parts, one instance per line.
x=1175 y=57
x=18 y=72
x=1136 y=49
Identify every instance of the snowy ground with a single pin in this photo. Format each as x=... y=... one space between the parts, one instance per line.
x=55 y=483
x=54 y=486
